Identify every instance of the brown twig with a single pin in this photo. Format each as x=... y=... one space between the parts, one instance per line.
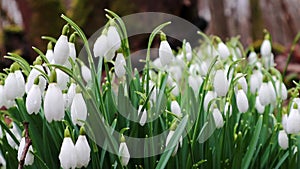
x=27 y=145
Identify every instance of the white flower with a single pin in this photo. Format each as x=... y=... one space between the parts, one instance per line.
x=2 y=96
x=17 y=133
x=67 y=155
x=86 y=74
x=120 y=65
x=78 y=109
x=242 y=101
x=61 y=50
x=255 y=81
x=272 y=92
x=189 y=52
x=32 y=76
x=113 y=39
x=34 y=100
x=242 y=81
x=195 y=82
x=54 y=103
x=252 y=58
x=220 y=83
x=175 y=91
x=228 y=108
x=283 y=139
x=210 y=95
x=50 y=55
x=284 y=121
x=83 y=151
x=124 y=153
x=100 y=46
x=223 y=50
x=265 y=49
x=293 y=125
x=259 y=107
x=72 y=51
x=264 y=94
x=165 y=53
x=143 y=116
x=218 y=118
x=175 y=108
x=70 y=94
x=62 y=79
x=171 y=133
x=281 y=89
x=29 y=159
x=14 y=85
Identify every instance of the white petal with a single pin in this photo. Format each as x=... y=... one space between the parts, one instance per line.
x=228 y=108
x=242 y=101
x=62 y=79
x=242 y=81
x=223 y=50
x=54 y=103
x=72 y=51
x=265 y=49
x=67 y=155
x=165 y=53
x=34 y=100
x=78 y=109
x=210 y=95
x=29 y=159
x=252 y=58
x=2 y=96
x=195 y=82
x=100 y=46
x=83 y=151
x=220 y=83
x=218 y=118
x=283 y=140
x=259 y=107
x=264 y=94
x=71 y=93
x=188 y=49
x=284 y=121
x=61 y=50
x=120 y=65
x=86 y=74
x=175 y=108
x=113 y=38
x=50 y=55
x=124 y=153
x=143 y=116
x=293 y=125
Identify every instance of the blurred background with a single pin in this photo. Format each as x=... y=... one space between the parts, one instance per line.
x=23 y=22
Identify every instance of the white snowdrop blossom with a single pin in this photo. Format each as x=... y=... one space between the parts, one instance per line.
x=17 y=133
x=32 y=76
x=120 y=65
x=195 y=83
x=124 y=153
x=50 y=55
x=281 y=89
x=242 y=81
x=259 y=107
x=54 y=103
x=170 y=134
x=67 y=155
x=29 y=159
x=223 y=50
x=143 y=116
x=210 y=95
x=264 y=94
x=100 y=46
x=72 y=49
x=242 y=101
x=113 y=39
x=175 y=108
x=292 y=124
x=265 y=48
x=86 y=74
x=70 y=94
x=34 y=99
x=228 y=109
x=221 y=84
x=61 y=50
x=218 y=118
x=255 y=81
x=189 y=52
x=78 y=109
x=165 y=53
x=14 y=85
x=62 y=79
x=272 y=92
x=252 y=58
x=83 y=151
x=283 y=139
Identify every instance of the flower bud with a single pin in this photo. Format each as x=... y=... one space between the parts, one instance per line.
x=34 y=99
x=143 y=116
x=78 y=109
x=283 y=139
x=83 y=151
x=218 y=118
x=165 y=53
x=124 y=152
x=242 y=101
x=120 y=65
x=61 y=50
x=221 y=83
x=67 y=155
x=54 y=103
x=265 y=49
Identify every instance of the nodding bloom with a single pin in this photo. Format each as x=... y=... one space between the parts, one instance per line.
x=252 y=58
x=67 y=155
x=283 y=139
x=259 y=107
x=14 y=85
x=242 y=100
x=120 y=64
x=292 y=123
x=82 y=149
x=242 y=81
x=100 y=46
x=189 y=52
x=265 y=49
x=272 y=92
x=78 y=108
x=34 y=73
x=210 y=95
x=195 y=83
x=218 y=118
x=264 y=94
x=124 y=152
x=49 y=53
x=17 y=133
x=29 y=159
x=175 y=108
x=113 y=38
x=62 y=79
x=255 y=81
x=61 y=49
x=34 y=99
x=165 y=52
x=223 y=50
x=143 y=116
x=54 y=101
x=70 y=94
x=86 y=74
x=228 y=109
x=281 y=89
x=221 y=83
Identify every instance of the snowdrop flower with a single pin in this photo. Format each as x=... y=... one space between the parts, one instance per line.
x=2 y=161
x=218 y=118
x=70 y=94
x=293 y=125
x=165 y=52
x=259 y=107
x=49 y=53
x=175 y=108
x=67 y=155
x=210 y=95
x=265 y=49
x=34 y=73
x=157 y=63
x=72 y=48
x=113 y=39
x=283 y=139
x=53 y=101
x=175 y=91
x=14 y=84
x=189 y=52
x=195 y=82
x=223 y=50
x=252 y=58
x=2 y=95
x=17 y=133
x=61 y=50
x=82 y=149
x=124 y=152
x=255 y=81
x=120 y=65
x=100 y=46
x=264 y=94
x=170 y=135
x=62 y=79
x=281 y=89
x=78 y=108
x=228 y=109
x=34 y=98
x=86 y=74
x=242 y=81
x=220 y=83
x=241 y=100
x=143 y=116
x=29 y=159
x=284 y=121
